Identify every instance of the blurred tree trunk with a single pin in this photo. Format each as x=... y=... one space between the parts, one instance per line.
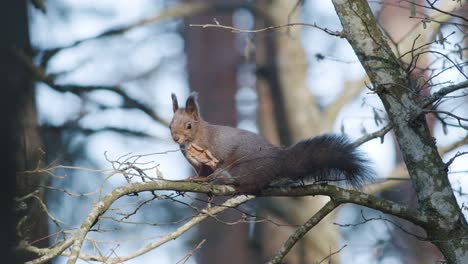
x=212 y=64
x=284 y=94
x=9 y=105
x=28 y=151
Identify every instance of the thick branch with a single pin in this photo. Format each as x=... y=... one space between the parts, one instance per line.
x=103 y=205
x=49 y=254
x=339 y=195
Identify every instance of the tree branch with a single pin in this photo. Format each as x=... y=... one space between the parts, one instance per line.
x=91 y=131
x=233 y=202
x=379 y=133
x=238 y=30
x=338 y=195
x=443 y=92
x=129 y=102
x=180 y=10
x=302 y=230
x=432 y=6
x=457 y=144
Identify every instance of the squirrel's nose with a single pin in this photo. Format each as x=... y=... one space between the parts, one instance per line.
x=176 y=138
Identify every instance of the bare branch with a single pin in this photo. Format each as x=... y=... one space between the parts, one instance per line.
x=443 y=92
x=233 y=202
x=179 y=10
x=400 y=173
x=332 y=253
x=380 y=133
x=456 y=144
x=47 y=254
x=103 y=205
x=381 y=218
x=302 y=230
x=432 y=6
x=91 y=131
x=458 y=154
x=458 y=118
x=338 y=195
x=189 y=254
x=129 y=102
x=238 y=30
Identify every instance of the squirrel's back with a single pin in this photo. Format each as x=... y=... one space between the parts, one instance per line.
x=225 y=141
x=248 y=160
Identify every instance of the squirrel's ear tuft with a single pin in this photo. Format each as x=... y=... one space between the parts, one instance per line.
x=191 y=106
x=175 y=104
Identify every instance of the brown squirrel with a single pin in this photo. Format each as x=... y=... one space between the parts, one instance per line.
x=246 y=160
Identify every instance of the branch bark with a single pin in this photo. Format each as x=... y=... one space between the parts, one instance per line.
x=338 y=195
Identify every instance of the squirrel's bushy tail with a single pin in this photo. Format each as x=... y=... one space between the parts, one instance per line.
x=327 y=158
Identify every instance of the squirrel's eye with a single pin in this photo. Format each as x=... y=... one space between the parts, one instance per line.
x=189 y=125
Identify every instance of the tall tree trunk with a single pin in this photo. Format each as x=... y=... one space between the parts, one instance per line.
x=33 y=227
x=426 y=169
x=284 y=94
x=212 y=64
x=11 y=80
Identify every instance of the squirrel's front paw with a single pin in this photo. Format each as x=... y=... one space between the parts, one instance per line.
x=200 y=155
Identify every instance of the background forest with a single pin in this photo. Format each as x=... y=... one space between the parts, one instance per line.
x=93 y=81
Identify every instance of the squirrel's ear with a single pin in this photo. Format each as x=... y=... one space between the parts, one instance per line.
x=175 y=105
x=191 y=106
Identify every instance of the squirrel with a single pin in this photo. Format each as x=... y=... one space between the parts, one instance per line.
x=246 y=160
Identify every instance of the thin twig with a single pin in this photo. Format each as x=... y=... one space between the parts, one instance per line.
x=331 y=254
x=190 y=254
x=377 y=134
x=238 y=30
x=443 y=92
x=302 y=230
